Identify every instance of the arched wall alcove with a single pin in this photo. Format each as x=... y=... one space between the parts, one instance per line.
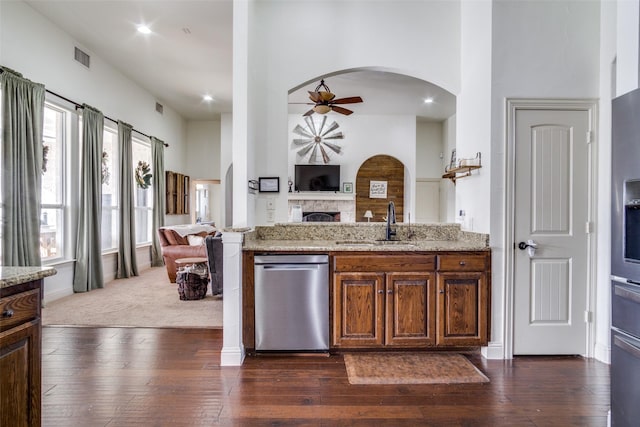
x=389 y=173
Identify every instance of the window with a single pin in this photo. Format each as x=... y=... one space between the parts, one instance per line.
x=110 y=193
x=52 y=215
x=143 y=197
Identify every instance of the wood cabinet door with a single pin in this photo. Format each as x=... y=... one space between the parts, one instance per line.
x=410 y=310
x=20 y=382
x=462 y=309
x=358 y=309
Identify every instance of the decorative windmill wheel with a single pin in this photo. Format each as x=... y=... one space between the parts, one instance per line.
x=316 y=143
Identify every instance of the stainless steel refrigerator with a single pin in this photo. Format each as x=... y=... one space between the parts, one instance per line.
x=625 y=261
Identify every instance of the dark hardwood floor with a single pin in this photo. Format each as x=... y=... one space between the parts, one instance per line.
x=171 y=377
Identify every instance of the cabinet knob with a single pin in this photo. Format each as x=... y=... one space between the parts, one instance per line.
x=389 y=291
x=442 y=291
x=380 y=291
x=463 y=263
x=7 y=313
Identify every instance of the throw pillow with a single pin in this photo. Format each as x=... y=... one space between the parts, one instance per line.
x=195 y=240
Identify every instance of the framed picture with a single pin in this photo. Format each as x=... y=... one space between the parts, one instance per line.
x=269 y=185
x=347 y=187
x=377 y=189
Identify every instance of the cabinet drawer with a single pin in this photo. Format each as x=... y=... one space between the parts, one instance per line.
x=462 y=263
x=19 y=308
x=384 y=263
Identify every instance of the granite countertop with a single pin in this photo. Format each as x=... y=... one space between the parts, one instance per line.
x=363 y=245
x=367 y=237
x=10 y=276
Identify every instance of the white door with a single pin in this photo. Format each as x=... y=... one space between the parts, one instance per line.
x=427 y=200
x=551 y=211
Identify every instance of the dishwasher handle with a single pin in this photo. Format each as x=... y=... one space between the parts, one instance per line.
x=289 y=267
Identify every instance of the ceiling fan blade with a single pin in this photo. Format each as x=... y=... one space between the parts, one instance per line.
x=311 y=125
x=308 y=113
x=341 y=110
x=324 y=120
x=350 y=100
x=338 y=135
x=333 y=127
x=333 y=147
x=325 y=156
x=302 y=131
x=303 y=151
x=302 y=141
x=315 y=97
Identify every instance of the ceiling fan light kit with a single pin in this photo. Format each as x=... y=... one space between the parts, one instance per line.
x=325 y=101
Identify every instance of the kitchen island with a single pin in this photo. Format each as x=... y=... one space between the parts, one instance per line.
x=429 y=287
x=20 y=342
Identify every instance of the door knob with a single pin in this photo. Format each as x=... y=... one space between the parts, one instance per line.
x=530 y=246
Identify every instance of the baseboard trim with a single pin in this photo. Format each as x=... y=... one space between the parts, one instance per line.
x=493 y=351
x=603 y=353
x=232 y=356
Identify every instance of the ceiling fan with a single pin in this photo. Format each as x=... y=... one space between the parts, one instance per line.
x=324 y=101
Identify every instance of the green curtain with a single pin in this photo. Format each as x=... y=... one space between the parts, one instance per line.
x=22 y=123
x=127 y=265
x=159 y=197
x=88 y=268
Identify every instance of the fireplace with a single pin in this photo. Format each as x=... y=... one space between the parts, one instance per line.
x=321 y=216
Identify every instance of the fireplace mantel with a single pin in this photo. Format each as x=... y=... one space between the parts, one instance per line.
x=320 y=195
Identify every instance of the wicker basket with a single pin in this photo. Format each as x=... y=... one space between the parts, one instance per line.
x=192 y=283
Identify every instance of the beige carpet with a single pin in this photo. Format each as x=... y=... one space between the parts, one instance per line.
x=148 y=300
x=411 y=368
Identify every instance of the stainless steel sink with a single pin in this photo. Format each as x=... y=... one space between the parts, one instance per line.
x=374 y=242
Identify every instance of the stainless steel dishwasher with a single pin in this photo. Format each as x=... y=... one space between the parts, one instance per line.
x=291 y=302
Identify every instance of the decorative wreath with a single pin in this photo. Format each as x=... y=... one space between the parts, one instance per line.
x=105 y=168
x=45 y=157
x=143 y=175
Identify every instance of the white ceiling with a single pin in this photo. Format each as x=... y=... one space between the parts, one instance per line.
x=189 y=54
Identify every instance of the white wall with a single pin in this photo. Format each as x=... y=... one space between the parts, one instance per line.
x=42 y=52
x=419 y=39
x=203 y=149
x=474 y=114
x=539 y=50
x=627 y=45
x=447 y=187
x=429 y=149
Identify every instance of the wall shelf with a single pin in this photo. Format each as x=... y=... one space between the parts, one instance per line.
x=463 y=168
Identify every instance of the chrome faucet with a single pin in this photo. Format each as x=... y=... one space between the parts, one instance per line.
x=391 y=219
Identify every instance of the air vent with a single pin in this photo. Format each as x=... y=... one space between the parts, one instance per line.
x=159 y=108
x=82 y=57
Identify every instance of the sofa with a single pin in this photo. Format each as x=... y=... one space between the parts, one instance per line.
x=183 y=241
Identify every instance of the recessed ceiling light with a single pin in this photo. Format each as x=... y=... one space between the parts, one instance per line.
x=207 y=98
x=144 y=29
x=428 y=101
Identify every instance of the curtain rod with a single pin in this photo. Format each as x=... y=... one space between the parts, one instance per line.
x=80 y=106
x=106 y=117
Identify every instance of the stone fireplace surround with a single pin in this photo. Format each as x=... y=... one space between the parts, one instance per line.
x=346 y=207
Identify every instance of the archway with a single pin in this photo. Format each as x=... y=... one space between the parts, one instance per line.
x=387 y=173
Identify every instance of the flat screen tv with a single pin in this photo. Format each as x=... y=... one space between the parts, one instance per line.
x=317 y=178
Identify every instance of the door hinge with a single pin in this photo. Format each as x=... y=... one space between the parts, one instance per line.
x=587 y=316
x=589 y=136
x=588 y=227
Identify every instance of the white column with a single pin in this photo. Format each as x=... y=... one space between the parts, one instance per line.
x=232 y=347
